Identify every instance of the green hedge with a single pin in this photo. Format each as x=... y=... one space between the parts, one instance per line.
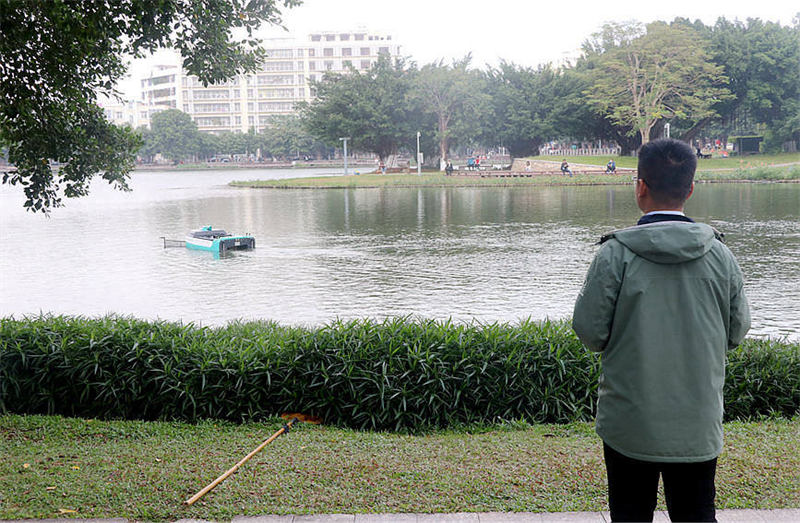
x=395 y=374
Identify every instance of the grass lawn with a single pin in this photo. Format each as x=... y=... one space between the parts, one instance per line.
x=145 y=470
x=734 y=162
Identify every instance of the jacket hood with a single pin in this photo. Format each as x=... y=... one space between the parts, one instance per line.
x=667 y=242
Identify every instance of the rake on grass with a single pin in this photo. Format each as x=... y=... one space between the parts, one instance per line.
x=286 y=427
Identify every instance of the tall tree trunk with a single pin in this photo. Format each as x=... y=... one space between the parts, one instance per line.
x=443 y=146
x=690 y=135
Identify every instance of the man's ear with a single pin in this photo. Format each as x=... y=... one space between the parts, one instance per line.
x=641 y=188
x=691 y=190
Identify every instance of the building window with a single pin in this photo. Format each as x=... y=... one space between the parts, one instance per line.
x=328 y=51
x=276 y=93
x=210 y=94
x=312 y=65
x=329 y=66
x=359 y=37
x=278 y=66
x=365 y=51
x=346 y=64
x=316 y=38
x=311 y=52
x=346 y=51
x=275 y=107
x=365 y=64
x=330 y=38
x=344 y=37
x=212 y=108
x=213 y=121
x=279 y=53
x=282 y=79
x=383 y=50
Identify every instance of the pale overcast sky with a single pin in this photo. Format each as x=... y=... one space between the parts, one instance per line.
x=524 y=32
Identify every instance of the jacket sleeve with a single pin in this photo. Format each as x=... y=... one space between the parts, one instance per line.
x=593 y=315
x=740 y=309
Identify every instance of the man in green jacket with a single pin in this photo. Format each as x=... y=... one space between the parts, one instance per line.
x=662 y=302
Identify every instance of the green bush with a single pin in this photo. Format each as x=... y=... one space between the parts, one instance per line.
x=398 y=374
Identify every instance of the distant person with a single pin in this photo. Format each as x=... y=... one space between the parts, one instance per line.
x=565 y=167
x=471 y=163
x=611 y=167
x=382 y=167
x=528 y=167
x=663 y=302
x=448 y=170
x=478 y=163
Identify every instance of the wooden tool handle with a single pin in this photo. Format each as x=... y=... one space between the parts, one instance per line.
x=236 y=467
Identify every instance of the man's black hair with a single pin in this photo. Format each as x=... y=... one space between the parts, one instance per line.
x=667 y=166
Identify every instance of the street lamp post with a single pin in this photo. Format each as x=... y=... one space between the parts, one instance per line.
x=419 y=163
x=345 y=152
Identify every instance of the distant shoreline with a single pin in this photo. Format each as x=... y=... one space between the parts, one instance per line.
x=236 y=166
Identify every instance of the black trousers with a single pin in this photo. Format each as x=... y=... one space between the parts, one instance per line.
x=632 y=487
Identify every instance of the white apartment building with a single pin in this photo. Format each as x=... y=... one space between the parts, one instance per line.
x=134 y=113
x=250 y=101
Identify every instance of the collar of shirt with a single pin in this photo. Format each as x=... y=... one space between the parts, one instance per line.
x=676 y=213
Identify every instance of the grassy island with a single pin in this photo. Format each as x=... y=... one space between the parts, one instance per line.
x=777 y=168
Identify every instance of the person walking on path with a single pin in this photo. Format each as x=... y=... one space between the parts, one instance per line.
x=565 y=167
x=662 y=302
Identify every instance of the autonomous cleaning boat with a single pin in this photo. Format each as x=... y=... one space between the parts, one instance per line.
x=217 y=240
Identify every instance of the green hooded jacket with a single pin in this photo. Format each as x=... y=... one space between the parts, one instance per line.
x=662 y=302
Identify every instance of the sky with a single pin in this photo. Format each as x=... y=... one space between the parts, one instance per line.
x=525 y=32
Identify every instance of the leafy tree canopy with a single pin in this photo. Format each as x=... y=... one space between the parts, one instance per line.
x=455 y=96
x=524 y=101
x=57 y=56
x=174 y=134
x=369 y=107
x=644 y=77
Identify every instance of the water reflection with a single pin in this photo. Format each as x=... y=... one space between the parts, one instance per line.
x=485 y=254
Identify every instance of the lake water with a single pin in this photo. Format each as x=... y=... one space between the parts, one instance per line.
x=489 y=254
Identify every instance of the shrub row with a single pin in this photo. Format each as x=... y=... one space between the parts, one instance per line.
x=398 y=374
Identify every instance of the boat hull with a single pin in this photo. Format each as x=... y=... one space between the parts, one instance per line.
x=220 y=245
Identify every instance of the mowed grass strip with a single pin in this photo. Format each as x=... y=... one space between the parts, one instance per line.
x=145 y=470
x=775 y=167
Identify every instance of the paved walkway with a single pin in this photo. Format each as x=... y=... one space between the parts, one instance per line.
x=723 y=516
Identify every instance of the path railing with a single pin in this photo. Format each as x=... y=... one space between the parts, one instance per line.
x=584 y=151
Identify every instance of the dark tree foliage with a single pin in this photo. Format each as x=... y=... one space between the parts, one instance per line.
x=369 y=107
x=523 y=101
x=762 y=60
x=57 y=56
